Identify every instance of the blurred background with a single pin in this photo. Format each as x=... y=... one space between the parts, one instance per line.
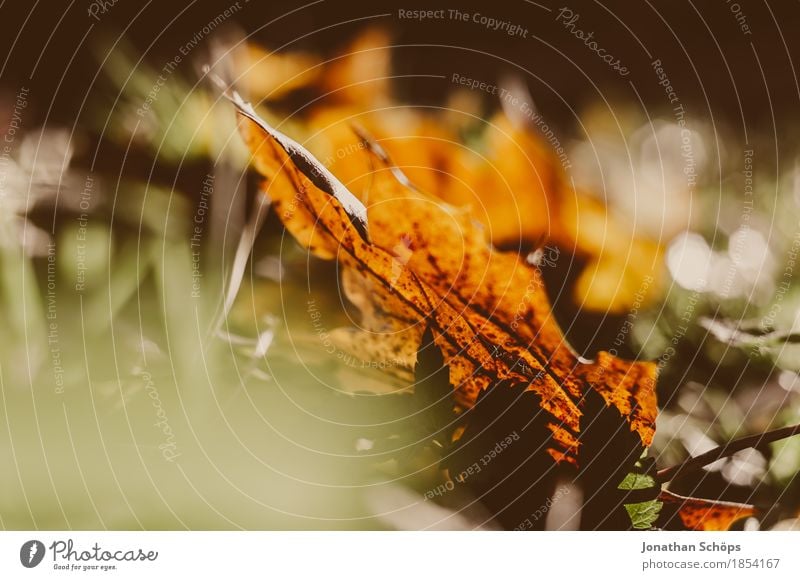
x=161 y=362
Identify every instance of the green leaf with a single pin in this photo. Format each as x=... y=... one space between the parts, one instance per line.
x=644 y=514
x=637 y=481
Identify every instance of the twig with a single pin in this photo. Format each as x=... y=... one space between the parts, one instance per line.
x=726 y=450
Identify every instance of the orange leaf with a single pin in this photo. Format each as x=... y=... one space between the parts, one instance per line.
x=703 y=514
x=431 y=265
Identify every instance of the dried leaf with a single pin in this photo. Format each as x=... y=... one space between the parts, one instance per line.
x=511 y=176
x=703 y=514
x=430 y=265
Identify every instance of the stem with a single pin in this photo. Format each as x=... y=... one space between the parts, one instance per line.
x=726 y=450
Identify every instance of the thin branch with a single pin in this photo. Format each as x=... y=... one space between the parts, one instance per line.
x=726 y=450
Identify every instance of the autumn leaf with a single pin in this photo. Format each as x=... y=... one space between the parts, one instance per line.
x=510 y=179
x=272 y=74
x=701 y=514
x=423 y=264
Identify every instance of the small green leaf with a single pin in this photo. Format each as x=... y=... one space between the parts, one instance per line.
x=637 y=481
x=643 y=515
